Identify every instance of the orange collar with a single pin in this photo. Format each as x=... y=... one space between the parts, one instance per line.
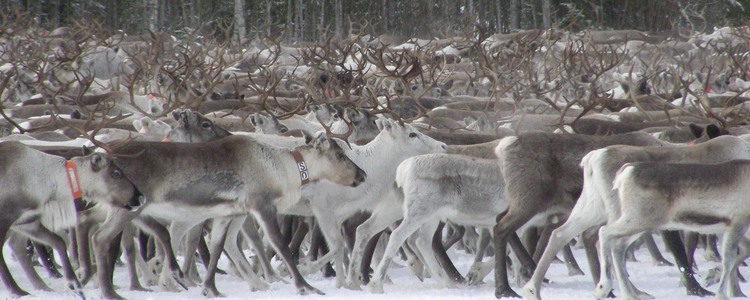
x=75 y=185
x=301 y=167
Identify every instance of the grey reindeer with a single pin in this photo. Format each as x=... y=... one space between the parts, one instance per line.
x=599 y=203
x=38 y=197
x=230 y=177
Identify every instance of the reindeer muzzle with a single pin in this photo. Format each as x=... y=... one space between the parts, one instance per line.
x=136 y=201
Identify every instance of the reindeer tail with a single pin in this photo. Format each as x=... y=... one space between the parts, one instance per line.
x=624 y=172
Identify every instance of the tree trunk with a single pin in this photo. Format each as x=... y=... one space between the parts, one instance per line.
x=339 y=16
x=546 y=14
x=515 y=22
x=152 y=14
x=269 y=6
x=299 y=22
x=289 y=25
x=385 y=15
x=239 y=22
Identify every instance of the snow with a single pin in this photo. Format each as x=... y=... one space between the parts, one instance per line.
x=660 y=281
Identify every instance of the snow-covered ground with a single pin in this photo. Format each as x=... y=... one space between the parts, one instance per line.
x=660 y=281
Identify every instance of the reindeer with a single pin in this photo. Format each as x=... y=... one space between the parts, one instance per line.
x=709 y=198
x=435 y=187
x=542 y=181
x=224 y=180
x=36 y=212
x=332 y=205
x=599 y=203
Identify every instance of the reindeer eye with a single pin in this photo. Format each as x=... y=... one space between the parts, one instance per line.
x=340 y=156
x=117 y=174
x=413 y=87
x=206 y=124
x=413 y=135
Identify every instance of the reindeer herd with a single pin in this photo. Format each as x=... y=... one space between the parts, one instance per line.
x=339 y=156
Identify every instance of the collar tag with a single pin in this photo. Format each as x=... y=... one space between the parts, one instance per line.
x=301 y=167
x=75 y=185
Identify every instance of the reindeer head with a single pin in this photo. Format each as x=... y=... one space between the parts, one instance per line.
x=193 y=127
x=407 y=137
x=327 y=160
x=266 y=124
x=102 y=181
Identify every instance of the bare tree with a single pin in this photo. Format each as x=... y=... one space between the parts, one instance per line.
x=546 y=14
x=152 y=14
x=239 y=21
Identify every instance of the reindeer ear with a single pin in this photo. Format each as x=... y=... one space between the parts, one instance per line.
x=321 y=142
x=176 y=114
x=307 y=135
x=379 y=123
x=138 y=124
x=256 y=120
x=713 y=131
x=448 y=85
x=98 y=161
x=86 y=150
x=696 y=130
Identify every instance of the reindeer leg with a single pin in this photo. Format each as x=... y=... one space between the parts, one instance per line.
x=478 y=271
x=250 y=232
x=691 y=243
x=47 y=260
x=570 y=261
x=576 y=223
x=267 y=219
x=297 y=238
x=128 y=246
x=101 y=241
x=383 y=216
x=83 y=237
x=675 y=245
x=72 y=248
x=218 y=236
x=234 y=253
x=426 y=244
x=456 y=236
x=648 y=239
x=331 y=232
x=5 y=275
x=410 y=224
x=18 y=244
x=38 y=233
x=505 y=230
x=205 y=255
x=442 y=256
x=369 y=251
x=731 y=239
x=162 y=235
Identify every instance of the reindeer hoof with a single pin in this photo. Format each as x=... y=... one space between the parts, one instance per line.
x=308 y=289
x=505 y=293
x=140 y=289
x=211 y=292
x=713 y=276
x=375 y=287
x=697 y=290
x=354 y=284
x=575 y=272
x=603 y=290
x=530 y=292
x=112 y=296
